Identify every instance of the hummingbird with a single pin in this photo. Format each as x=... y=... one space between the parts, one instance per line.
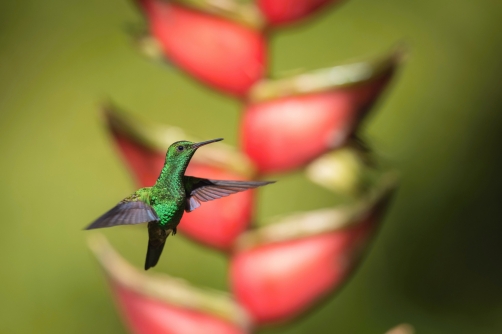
x=163 y=204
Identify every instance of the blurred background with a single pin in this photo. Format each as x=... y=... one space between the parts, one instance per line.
x=436 y=262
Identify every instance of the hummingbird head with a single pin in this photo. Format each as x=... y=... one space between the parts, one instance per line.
x=182 y=151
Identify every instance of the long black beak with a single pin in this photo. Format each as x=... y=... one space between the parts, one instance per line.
x=202 y=143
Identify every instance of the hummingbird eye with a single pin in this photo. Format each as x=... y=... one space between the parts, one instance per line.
x=180 y=148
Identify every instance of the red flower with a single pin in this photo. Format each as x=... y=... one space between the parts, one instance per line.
x=290 y=122
x=155 y=304
x=219 y=52
x=277 y=282
x=286 y=268
x=149 y=316
x=144 y=163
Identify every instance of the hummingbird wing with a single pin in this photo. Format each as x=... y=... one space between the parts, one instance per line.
x=203 y=190
x=127 y=212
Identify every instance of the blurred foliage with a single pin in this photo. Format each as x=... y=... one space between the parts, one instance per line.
x=435 y=263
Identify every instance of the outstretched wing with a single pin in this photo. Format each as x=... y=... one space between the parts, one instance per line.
x=126 y=213
x=202 y=190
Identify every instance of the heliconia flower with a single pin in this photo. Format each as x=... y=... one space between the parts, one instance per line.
x=160 y=304
x=143 y=146
x=281 y=270
x=221 y=46
x=279 y=12
x=289 y=122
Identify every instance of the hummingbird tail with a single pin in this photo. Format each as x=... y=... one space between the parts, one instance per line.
x=153 y=254
x=157 y=240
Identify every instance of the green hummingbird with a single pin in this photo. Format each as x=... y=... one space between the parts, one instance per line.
x=163 y=204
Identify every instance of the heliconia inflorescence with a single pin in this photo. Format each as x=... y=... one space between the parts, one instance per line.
x=309 y=121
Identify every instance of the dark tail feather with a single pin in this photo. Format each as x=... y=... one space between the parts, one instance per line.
x=153 y=254
x=157 y=239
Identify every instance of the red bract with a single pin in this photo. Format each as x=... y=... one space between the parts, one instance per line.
x=280 y=12
x=276 y=282
x=160 y=304
x=145 y=164
x=145 y=315
x=282 y=269
x=217 y=51
x=218 y=223
x=283 y=133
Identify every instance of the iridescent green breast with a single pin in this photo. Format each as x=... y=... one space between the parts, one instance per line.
x=167 y=196
x=169 y=213
x=169 y=204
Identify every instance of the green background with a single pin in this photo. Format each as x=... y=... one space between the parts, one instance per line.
x=437 y=260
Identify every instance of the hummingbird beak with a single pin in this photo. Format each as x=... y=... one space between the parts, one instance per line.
x=202 y=143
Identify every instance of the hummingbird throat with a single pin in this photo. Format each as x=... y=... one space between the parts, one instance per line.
x=172 y=173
